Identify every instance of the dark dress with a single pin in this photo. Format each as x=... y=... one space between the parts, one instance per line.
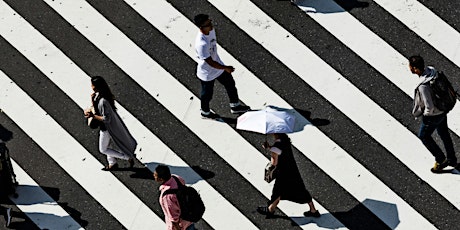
x=289 y=184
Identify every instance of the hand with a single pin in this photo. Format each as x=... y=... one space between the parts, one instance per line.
x=265 y=145
x=89 y=114
x=229 y=69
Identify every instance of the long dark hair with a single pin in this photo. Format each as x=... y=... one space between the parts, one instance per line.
x=103 y=89
x=283 y=137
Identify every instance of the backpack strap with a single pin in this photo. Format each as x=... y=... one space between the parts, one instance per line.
x=174 y=190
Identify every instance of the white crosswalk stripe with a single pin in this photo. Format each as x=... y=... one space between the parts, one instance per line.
x=227 y=206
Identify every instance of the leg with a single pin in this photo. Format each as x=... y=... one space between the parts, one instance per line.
x=207 y=90
x=104 y=140
x=443 y=132
x=427 y=128
x=274 y=204
x=228 y=82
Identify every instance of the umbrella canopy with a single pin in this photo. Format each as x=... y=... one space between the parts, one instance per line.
x=266 y=121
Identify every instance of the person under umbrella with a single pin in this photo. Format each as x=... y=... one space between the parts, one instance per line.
x=289 y=185
x=288 y=182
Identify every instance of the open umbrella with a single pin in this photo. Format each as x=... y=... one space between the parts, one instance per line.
x=268 y=120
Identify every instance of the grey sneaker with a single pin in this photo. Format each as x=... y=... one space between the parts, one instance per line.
x=209 y=115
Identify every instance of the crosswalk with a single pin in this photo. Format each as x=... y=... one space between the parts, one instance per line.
x=342 y=68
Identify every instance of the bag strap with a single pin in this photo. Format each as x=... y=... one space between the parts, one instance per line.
x=174 y=190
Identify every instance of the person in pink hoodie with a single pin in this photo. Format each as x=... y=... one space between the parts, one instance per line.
x=169 y=202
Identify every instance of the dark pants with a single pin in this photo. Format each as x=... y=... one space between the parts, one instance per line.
x=207 y=90
x=438 y=123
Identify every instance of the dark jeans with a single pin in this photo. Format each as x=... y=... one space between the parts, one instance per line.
x=207 y=90
x=438 y=123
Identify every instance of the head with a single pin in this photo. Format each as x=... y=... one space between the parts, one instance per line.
x=100 y=86
x=161 y=173
x=416 y=64
x=203 y=22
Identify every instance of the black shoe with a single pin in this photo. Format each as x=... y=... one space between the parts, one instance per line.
x=312 y=214
x=110 y=167
x=239 y=109
x=209 y=115
x=265 y=211
x=131 y=163
x=452 y=163
x=438 y=167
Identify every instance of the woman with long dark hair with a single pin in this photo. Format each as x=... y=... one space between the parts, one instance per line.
x=111 y=126
x=288 y=183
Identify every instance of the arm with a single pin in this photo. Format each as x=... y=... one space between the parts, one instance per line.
x=274 y=152
x=425 y=94
x=172 y=210
x=217 y=65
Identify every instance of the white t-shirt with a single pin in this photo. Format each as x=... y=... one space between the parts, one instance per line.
x=206 y=46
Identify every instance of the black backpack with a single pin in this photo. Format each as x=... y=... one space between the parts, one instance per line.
x=191 y=206
x=444 y=95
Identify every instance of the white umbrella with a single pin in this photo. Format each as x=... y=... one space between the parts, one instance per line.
x=265 y=121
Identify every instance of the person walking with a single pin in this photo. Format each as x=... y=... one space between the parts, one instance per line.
x=169 y=202
x=111 y=126
x=210 y=68
x=432 y=117
x=288 y=182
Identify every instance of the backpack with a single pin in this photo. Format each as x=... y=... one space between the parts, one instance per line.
x=444 y=95
x=191 y=206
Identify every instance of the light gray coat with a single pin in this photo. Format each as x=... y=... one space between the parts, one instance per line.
x=423 y=100
x=117 y=128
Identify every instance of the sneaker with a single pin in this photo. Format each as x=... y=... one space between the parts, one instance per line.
x=239 y=109
x=8 y=217
x=312 y=214
x=439 y=167
x=209 y=115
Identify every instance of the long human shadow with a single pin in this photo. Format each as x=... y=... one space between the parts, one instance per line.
x=27 y=196
x=329 y=7
x=386 y=212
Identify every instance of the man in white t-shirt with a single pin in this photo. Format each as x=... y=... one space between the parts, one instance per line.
x=211 y=68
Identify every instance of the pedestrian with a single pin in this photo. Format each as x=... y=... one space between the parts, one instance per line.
x=288 y=182
x=211 y=68
x=432 y=117
x=169 y=202
x=111 y=126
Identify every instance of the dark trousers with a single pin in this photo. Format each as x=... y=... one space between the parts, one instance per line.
x=207 y=90
x=438 y=123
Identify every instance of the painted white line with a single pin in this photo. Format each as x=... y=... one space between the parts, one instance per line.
x=433 y=30
x=38 y=205
x=153 y=150
x=74 y=159
x=427 y=25
x=394 y=66
x=67 y=152
x=172 y=24
x=171 y=93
